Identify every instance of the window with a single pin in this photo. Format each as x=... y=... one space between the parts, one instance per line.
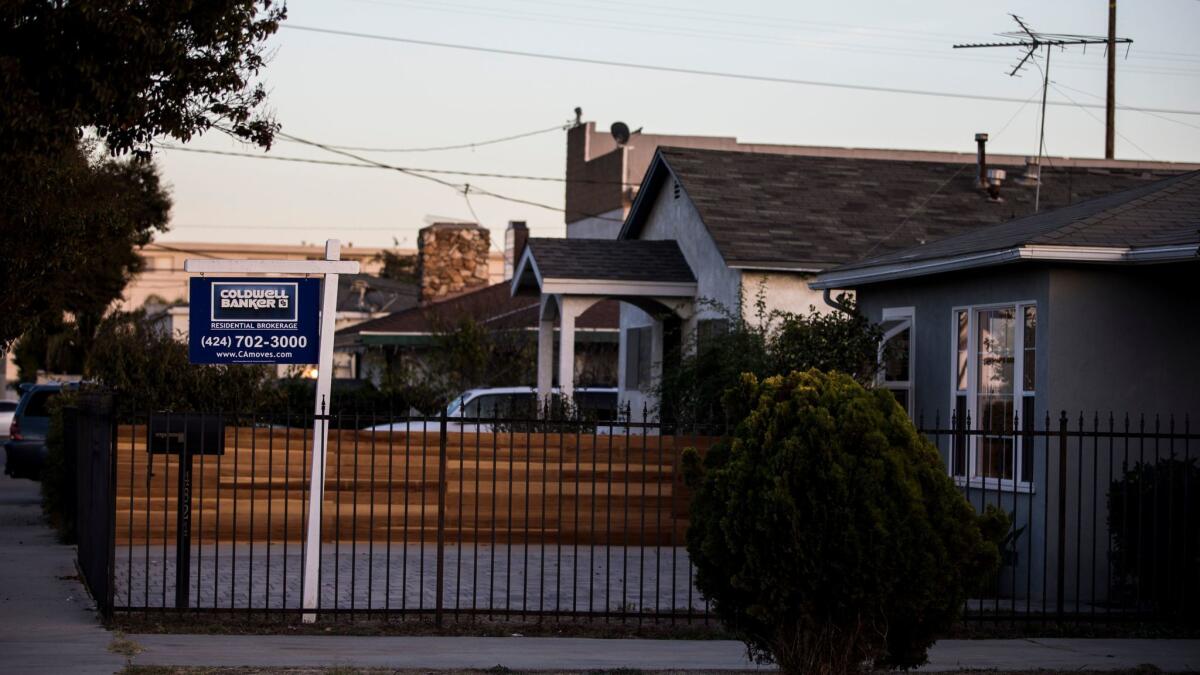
x=708 y=330
x=637 y=357
x=896 y=355
x=995 y=373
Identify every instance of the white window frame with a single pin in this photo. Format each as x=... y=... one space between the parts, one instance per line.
x=908 y=317
x=1014 y=484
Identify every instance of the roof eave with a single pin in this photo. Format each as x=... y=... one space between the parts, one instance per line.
x=520 y=282
x=647 y=192
x=1091 y=254
x=620 y=288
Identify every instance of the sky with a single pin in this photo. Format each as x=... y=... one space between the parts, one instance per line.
x=337 y=90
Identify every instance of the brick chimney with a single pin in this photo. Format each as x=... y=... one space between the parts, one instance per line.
x=515 y=238
x=452 y=258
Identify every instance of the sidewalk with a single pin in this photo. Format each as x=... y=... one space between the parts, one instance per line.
x=46 y=621
x=437 y=653
x=48 y=626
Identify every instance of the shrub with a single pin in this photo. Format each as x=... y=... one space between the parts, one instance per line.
x=825 y=530
x=58 y=484
x=773 y=343
x=1154 y=518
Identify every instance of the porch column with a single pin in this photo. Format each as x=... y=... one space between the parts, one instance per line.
x=566 y=352
x=656 y=350
x=545 y=360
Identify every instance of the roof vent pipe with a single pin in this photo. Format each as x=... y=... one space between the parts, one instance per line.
x=981 y=160
x=995 y=178
x=1033 y=171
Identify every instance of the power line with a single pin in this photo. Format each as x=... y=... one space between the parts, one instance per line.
x=675 y=29
x=454 y=186
x=330 y=162
x=1101 y=98
x=461 y=146
x=1101 y=122
x=698 y=71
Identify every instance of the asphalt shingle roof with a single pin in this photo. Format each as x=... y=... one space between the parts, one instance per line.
x=493 y=306
x=819 y=212
x=1162 y=213
x=609 y=259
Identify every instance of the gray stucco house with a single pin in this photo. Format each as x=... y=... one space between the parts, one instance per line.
x=1092 y=310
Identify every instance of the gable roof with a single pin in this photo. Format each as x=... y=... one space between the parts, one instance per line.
x=492 y=306
x=1155 y=222
x=808 y=213
x=624 y=260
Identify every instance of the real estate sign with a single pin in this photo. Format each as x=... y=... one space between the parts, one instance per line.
x=254 y=320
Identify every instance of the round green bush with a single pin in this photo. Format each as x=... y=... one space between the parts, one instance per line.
x=826 y=532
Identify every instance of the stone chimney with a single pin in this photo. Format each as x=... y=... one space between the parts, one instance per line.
x=452 y=258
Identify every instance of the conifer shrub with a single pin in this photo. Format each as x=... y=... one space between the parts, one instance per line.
x=826 y=532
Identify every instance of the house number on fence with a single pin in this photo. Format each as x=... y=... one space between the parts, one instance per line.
x=257 y=320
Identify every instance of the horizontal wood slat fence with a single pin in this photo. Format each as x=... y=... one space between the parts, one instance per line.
x=569 y=488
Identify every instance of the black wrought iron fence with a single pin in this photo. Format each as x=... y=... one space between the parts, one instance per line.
x=524 y=517
x=514 y=516
x=1105 y=514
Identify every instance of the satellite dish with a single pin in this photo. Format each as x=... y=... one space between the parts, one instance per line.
x=620 y=132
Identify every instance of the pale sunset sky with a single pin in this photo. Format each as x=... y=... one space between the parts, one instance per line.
x=348 y=91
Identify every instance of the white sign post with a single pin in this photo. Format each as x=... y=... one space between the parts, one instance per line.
x=330 y=268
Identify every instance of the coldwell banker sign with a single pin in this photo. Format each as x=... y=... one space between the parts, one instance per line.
x=253 y=320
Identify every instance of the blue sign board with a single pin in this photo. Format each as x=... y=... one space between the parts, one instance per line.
x=254 y=320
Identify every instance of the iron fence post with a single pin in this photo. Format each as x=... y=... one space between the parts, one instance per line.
x=1062 y=511
x=441 y=519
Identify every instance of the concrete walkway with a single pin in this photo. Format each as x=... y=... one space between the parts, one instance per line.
x=47 y=625
x=435 y=653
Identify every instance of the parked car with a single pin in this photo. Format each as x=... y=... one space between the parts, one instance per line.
x=7 y=408
x=474 y=409
x=25 y=449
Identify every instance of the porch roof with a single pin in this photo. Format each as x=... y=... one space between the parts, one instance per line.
x=604 y=267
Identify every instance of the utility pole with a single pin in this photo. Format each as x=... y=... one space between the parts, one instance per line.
x=1110 y=117
x=1032 y=42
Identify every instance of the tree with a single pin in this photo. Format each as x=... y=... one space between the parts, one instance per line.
x=127 y=71
x=132 y=70
x=397 y=266
x=94 y=212
x=825 y=530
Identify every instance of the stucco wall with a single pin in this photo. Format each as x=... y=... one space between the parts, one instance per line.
x=606 y=226
x=783 y=291
x=676 y=218
x=1126 y=339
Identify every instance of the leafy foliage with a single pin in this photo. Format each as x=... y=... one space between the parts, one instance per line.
x=148 y=370
x=825 y=530
x=774 y=343
x=1154 y=518
x=468 y=354
x=70 y=224
x=131 y=70
x=127 y=71
x=396 y=265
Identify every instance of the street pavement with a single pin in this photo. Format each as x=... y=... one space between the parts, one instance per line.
x=47 y=625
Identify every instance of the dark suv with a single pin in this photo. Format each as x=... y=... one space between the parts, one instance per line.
x=26 y=447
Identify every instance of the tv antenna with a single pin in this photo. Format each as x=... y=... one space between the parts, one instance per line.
x=1032 y=42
